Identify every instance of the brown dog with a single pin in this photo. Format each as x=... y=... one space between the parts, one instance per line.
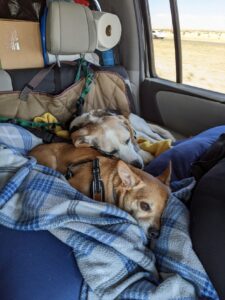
x=131 y=189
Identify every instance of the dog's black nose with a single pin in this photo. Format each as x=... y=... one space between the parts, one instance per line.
x=137 y=164
x=153 y=233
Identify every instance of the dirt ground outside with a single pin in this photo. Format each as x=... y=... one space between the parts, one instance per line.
x=203 y=62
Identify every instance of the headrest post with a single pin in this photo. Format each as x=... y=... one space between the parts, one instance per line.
x=97 y=5
x=58 y=61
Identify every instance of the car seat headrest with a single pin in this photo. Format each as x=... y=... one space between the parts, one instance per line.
x=5 y=82
x=70 y=29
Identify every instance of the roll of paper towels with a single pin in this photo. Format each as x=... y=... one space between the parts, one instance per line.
x=108 y=29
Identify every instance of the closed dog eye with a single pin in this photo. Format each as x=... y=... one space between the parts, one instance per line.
x=113 y=152
x=127 y=141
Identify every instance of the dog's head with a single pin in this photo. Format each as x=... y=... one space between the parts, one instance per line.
x=107 y=132
x=143 y=196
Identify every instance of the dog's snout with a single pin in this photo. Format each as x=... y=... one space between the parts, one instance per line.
x=137 y=164
x=153 y=233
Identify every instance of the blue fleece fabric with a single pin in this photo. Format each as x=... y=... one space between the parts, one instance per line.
x=37 y=266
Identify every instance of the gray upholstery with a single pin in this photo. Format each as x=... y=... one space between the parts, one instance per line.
x=70 y=29
x=5 y=81
x=129 y=48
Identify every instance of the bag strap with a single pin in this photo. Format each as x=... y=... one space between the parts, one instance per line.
x=83 y=65
x=35 y=81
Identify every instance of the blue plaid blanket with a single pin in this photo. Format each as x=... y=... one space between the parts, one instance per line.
x=110 y=248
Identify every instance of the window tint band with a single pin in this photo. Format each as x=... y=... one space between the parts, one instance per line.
x=177 y=39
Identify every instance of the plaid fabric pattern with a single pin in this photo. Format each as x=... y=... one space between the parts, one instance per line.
x=110 y=248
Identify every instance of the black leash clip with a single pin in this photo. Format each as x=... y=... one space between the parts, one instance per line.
x=69 y=172
x=97 y=186
x=79 y=107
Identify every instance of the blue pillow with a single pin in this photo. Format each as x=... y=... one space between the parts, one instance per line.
x=184 y=154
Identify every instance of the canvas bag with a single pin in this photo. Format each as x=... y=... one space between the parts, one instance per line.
x=108 y=91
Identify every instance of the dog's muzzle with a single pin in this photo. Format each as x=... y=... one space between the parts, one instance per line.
x=138 y=164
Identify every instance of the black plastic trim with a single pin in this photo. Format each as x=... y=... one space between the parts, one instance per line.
x=141 y=38
x=148 y=37
x=177 y=40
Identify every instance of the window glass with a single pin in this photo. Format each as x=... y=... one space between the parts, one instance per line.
x=202 y=25
x=163 y=43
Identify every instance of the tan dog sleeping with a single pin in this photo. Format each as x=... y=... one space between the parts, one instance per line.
x=131 y=189
x=109 y=133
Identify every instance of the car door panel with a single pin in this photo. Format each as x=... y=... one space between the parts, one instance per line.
x=183 y=109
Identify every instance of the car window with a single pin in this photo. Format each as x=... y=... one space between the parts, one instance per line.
x=162 y=34
x=203 y=43
x=202 y=32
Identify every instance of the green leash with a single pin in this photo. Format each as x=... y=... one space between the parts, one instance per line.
x=89 y=77
x=41 y=130
x=30 y=124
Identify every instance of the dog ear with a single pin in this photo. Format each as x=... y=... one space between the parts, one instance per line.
x=129 y=179
x=81 y=142
x=166 y=174
x=80 y=138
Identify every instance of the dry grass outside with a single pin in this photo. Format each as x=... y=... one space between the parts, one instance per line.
x=198 y=35
x=203 y=63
